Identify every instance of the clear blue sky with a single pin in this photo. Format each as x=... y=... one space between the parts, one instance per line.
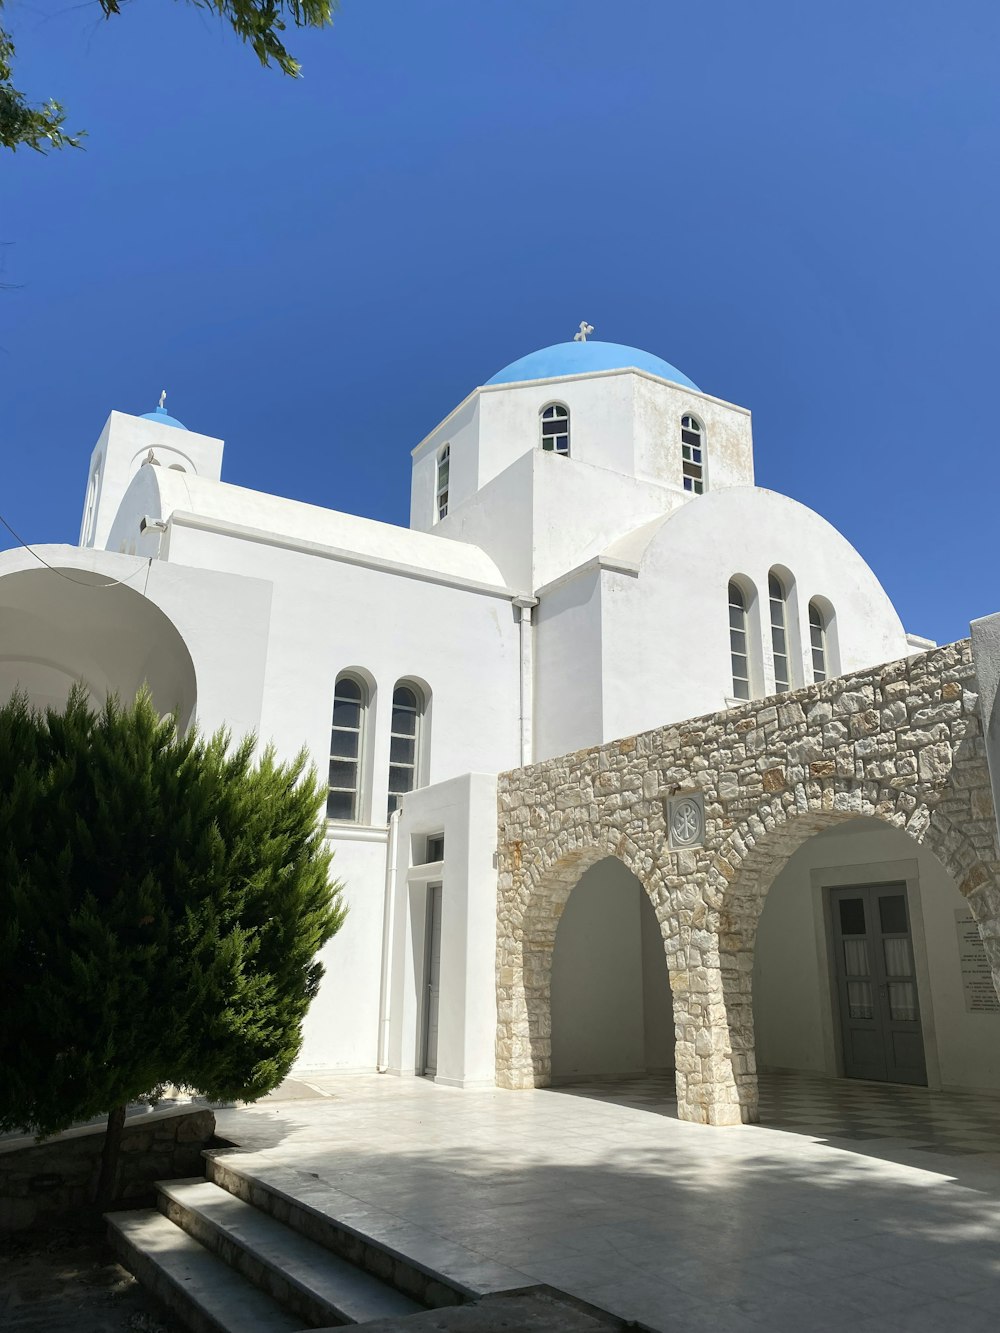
x=797 y=204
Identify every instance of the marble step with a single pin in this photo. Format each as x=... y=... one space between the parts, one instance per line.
x=432 y=1269
x=204 y=1293
x=319 y=1287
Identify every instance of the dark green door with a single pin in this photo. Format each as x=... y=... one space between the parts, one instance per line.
x=876 y=984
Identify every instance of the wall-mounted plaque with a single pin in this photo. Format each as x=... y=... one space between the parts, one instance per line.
x=685 y=821
x=977 y=978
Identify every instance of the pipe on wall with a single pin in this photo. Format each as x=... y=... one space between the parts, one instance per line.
x=527 y=676
x=392 y=844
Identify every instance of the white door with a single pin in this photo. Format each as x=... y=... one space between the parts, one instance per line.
x=432 y=979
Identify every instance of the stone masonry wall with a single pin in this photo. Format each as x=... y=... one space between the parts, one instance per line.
x=901 y=743
x=57 y=1177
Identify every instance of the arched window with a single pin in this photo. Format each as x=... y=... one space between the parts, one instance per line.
x=818 y=642
x=779 y=632
x=347 y=736
x=404 y=740
x=443 y=471
x=692 y=455
x=739 y=641
x=555 y=429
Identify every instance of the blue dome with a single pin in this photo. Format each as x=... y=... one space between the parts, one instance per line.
x=575 y=358
x=161 y=415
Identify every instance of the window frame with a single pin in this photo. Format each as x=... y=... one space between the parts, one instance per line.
x=358 y=790
x=553 y=414
x=693 y=455
x=742 y=608
x=778 y=606
x=417 y=740
x=819 y=628
x=441 y=490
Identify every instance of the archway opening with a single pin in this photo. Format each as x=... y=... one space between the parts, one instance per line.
x=78 y=629
x=869 y=974
x=611 y=1010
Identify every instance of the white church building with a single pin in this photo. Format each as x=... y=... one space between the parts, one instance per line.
x=588 y=560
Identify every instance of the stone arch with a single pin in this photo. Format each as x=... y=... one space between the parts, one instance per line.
x=902 y=743
x=755 y=852
x=533 y=894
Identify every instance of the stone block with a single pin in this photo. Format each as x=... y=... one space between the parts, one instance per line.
x=934 y=763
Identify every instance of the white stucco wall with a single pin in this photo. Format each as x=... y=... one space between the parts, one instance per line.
x=328 y=617
x=666 y=652
x=794 y=1007
x=597 y=1019
x=460 y=431
x=499 y=519
x=611 y=1010
x=726 y=433
x=463 y=811
x=568 y=667
x=341 y=1027
x=546 y=515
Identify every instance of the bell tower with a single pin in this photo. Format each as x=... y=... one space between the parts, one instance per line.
x=125 y=444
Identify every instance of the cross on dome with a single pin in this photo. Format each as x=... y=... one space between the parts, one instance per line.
x=585 y=331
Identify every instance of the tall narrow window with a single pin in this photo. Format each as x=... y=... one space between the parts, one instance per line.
x=443 y=471
x=350 y=704
x=739 y=646
x=87 y=530
x=817 y=641
x=692 y=455
x=779 y=632
x=555 y=429
x=404 y=741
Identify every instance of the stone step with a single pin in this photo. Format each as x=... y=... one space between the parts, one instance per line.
x=432 y=1269
x=205 y=1294
x=306 y=1278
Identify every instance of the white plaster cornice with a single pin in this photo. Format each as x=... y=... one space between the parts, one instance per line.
x=226 y=528
x=356 y=832
x=599 y=563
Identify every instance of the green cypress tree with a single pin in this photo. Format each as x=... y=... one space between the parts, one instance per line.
x=163 y=899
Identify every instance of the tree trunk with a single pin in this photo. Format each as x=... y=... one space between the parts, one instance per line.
x=109 y=1157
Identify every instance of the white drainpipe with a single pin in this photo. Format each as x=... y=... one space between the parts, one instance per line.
x=387 y=906
x=525 y=605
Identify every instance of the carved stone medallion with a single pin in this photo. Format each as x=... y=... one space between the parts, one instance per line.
x=686 y=821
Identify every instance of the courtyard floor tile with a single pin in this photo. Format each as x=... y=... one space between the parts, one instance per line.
x=601 y=1191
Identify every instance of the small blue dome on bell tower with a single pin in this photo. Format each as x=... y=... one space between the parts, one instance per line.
x=160 y=414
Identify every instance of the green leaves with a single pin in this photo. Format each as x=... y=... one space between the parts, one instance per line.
x=256 y=22
x=40 y=128
x=162 y=902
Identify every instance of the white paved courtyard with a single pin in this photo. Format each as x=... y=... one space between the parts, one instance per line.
x=601 y=1192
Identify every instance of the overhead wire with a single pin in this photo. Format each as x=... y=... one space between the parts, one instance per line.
x=147 y=564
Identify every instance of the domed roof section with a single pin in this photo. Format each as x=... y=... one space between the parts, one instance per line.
x=586 y=358
x=161 y=415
